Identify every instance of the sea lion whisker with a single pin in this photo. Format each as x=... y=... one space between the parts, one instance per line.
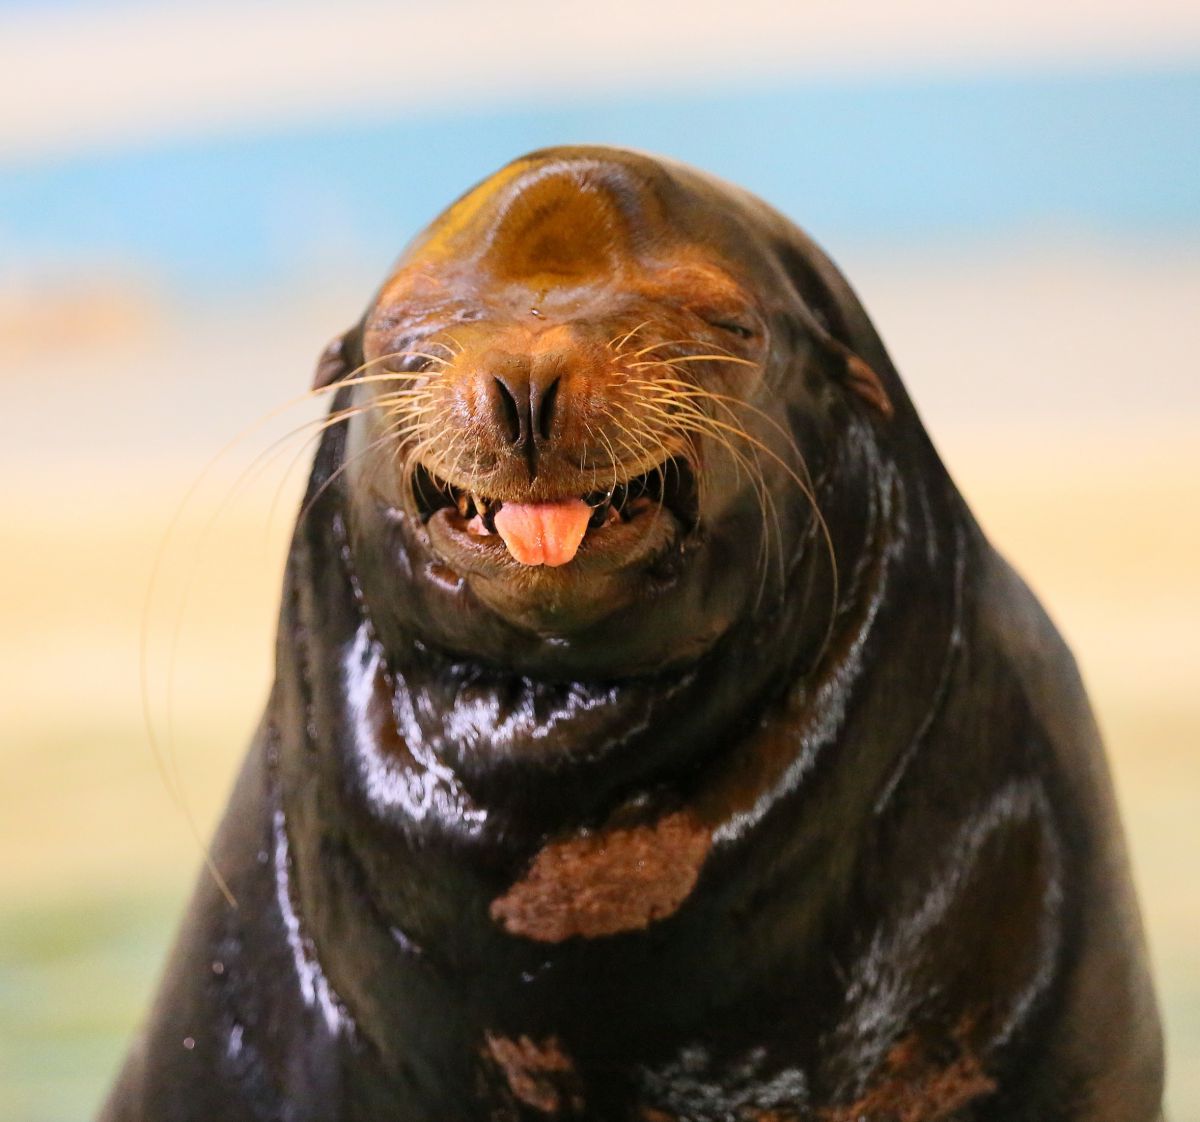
x=201 y=477
x=644 y=432
x=621 y=433
x=695 y=424
x=334 y=418
x=408 y=440
x=413 y=412
x=311 y=431
x=410 y=410
x=691 y=342
x=678 y=389
x=359 y=376
x=338 y=472
x=416 y=445
x=408 y=417
x=389 y=461
x=702 y=423
x=384 y=402
x=659 y=470
x=460 y=439
x=690 y=387
x=730 y=403
x=612 y=459
x=754 y=476
x=629 y=448
x=412 y=442
x=447 y=347
x=400 y=400
x=583 y=452
x=679 y=393
x=640 y=432
x=694 y=358
x=639 y=452
x=459 y=446
x=367 y=380
x=658 y=345
x=689 y=450
x=618 y=347
x=163 y=752
x=688 y=404
x=810 y=494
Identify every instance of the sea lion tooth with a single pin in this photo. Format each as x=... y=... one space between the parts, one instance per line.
x=488 y=513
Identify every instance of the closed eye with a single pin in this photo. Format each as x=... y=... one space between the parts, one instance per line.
x=733 y=327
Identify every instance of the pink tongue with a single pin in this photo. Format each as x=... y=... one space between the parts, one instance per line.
x=543 y=533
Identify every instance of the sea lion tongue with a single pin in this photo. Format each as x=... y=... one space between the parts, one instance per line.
x=543 y=533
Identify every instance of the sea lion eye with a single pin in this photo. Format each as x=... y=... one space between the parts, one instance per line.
x=733 y=327
x=408 y=363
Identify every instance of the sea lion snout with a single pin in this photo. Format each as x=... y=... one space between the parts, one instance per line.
x=538 y=466
x=525 y=399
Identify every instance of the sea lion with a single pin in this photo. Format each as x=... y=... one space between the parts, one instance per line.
x=655 y=735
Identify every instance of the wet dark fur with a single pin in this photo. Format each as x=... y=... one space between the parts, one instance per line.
x=911 y=901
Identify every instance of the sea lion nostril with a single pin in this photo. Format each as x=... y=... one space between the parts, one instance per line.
x=543 y=407
x=524 y=407
x=508 y=411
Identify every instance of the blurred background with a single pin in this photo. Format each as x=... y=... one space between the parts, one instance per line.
x=195 y=197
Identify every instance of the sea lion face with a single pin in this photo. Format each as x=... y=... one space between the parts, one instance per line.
x=588 y=424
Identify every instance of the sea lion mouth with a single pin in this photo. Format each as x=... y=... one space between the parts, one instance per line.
x=556 y=530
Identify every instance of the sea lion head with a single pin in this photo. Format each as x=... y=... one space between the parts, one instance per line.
x=590 y=413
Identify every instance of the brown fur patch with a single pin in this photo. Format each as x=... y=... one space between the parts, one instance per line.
x=541 y=1075
x=914 y=1088
x=653 y=1114
x=619 y=879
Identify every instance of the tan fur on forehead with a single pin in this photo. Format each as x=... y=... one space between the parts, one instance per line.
x=557 y=226
x=552 y=216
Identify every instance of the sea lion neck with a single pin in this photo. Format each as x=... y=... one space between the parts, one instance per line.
x=537 y=755
x=532 y=756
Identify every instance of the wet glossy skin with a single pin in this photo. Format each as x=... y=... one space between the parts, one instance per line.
x=686 y=828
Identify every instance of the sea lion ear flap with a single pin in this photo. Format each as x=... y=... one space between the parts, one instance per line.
x=342 y=357
x=860 y=378
x=834 y=312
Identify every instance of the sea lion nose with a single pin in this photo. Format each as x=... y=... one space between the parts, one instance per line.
x=524 y=402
